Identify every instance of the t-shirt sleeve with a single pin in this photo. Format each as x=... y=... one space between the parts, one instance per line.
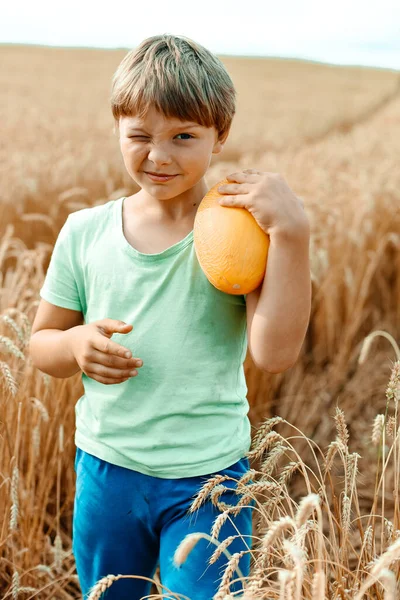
x=60 y=286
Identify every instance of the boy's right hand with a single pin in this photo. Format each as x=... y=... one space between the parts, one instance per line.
x=99 y=357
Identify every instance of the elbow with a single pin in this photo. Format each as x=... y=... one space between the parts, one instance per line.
x=272 y=360
x=31 y=353
x=275 y=367
x=274 y=370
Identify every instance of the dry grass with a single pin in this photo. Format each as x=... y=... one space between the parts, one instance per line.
x=327 y=517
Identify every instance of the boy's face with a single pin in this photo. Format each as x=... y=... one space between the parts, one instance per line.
x=168 y=146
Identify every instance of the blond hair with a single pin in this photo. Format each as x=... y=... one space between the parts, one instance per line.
x=179 y=78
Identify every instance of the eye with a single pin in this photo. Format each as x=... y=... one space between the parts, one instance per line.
x=142 y=137
x=190 y=136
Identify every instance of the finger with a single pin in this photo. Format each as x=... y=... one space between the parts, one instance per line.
x=252 y=171
x=109 y=347
x=107 y=380
x=233 y=188
x=239 y=177
x=109 y=373
x=236 y=200
x=111 y=360
x=110 y=326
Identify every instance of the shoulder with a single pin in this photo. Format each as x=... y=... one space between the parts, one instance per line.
x=86 y=219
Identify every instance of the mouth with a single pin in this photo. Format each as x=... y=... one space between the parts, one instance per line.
x=160 y=177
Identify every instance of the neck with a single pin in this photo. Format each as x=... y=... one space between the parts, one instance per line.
x=183 y=207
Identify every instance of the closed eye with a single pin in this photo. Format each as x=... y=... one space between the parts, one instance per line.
x=142 y=137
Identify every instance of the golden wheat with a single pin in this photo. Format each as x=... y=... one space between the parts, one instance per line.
x=337 y=147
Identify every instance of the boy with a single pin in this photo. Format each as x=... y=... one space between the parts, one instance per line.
x=146 y=442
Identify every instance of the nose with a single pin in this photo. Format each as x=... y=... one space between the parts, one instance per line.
x=159 y=156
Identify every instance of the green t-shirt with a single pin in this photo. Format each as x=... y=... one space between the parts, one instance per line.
x=185 y=414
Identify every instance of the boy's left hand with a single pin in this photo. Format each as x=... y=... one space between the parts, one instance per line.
x=268 y=198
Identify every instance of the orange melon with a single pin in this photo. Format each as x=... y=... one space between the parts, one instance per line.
x=231 y=247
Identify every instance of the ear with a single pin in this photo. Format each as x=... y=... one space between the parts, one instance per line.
x=218 y=147
x=116 y=129
x=220 y=143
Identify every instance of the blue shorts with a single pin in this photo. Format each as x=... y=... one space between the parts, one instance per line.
x=125 y=522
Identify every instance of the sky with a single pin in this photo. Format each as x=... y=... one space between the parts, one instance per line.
x=342 y=32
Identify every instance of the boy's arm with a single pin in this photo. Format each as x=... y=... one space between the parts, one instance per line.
x=282 y=313
x=50 y=352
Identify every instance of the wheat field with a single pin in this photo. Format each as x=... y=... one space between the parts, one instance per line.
x=325 y=454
